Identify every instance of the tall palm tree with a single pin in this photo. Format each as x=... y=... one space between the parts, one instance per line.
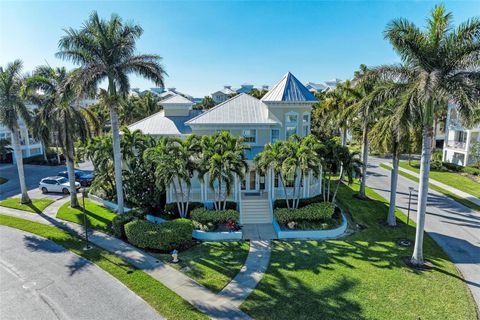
x=61 y=112
x=12 y=111
x=222 y=158
x=391 y=133
x=365 y=103
x=41 y=131
x=441 y=64
x=105 y=50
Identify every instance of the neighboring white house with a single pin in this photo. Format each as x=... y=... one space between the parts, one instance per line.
x=223 y=95
x=285 y=110
x=458 y=139
x=320 y=87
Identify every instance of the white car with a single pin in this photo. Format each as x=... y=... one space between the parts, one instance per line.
x=56 y=184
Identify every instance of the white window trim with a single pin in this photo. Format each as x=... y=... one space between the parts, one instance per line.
x=256 y=136
x=271 y=130
x=287 y=124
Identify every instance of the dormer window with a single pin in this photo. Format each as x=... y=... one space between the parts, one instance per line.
x=306 y=123
x=291 y=124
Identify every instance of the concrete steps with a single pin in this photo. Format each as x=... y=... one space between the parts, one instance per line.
x=255 y=210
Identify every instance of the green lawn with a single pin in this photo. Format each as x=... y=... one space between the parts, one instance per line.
x=98 y=216
x=362 y=276
x=3 y=180
x=212 y=264
x=453 y=179
x=36 y=206
x=166 y=302
x=452 y=195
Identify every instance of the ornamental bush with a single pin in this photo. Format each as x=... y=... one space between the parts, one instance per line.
x=321 y=211
x=471 y=170
x=209 y=220
x=166 y=236
x=280 y=203
x=172 y=208
x=119 y=222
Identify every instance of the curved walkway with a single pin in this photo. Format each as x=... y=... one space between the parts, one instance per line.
x=42 y=280
x=251 y=273
x=224 y=305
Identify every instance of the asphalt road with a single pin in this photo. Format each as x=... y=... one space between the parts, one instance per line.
x=453 y=226
x=41 y=280
x=33 y=175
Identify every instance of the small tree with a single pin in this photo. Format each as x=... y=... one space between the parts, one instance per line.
x=475 y=153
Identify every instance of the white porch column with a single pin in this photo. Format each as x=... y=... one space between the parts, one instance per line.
x=202 y=191
x=320 y=180
x=272 y=183
x=235 y=188
x=467 y=146
x=306 y=184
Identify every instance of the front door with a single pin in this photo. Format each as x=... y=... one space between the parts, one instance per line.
x=251 y=182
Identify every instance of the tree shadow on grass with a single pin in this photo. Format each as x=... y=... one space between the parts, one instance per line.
x=293 y=299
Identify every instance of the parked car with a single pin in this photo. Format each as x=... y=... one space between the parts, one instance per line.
x=84 y=178
x=56 y=184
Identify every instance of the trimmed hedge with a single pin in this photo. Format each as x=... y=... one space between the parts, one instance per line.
x=209 y=220
x=471 y=170
x=280 y=203
x=119 y=222
x=166 y=236
x=314 y=212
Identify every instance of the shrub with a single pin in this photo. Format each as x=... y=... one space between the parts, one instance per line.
x=209 y=219
x=119 y=222
x=314 y=212
x=280 y=203
x=437 y=155
x=452 y=166
x=166 y=236
x=172 y=208
x=471 y=170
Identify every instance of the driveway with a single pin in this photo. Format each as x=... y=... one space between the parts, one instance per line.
x=33 y=175
x=453 y=226
x=41 y=280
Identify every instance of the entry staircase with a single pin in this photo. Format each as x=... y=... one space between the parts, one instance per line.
x=255 y=208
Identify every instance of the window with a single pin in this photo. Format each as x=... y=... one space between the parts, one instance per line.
x=275 y=135
x=306 y=123
x=250 y=135
x=291 y=124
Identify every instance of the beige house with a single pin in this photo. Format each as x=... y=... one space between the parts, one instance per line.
x=284 y=111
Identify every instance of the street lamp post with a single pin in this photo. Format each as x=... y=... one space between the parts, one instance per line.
x=410 y=190
x=85 y=221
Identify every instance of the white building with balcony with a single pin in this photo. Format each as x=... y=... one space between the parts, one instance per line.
x=30 y=147
x=458 y=140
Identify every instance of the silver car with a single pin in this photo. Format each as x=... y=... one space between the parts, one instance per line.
x=56 y=184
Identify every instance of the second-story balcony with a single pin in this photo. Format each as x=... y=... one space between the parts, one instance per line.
x=454 y=144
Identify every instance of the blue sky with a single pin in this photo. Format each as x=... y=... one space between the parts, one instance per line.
x=206 y=45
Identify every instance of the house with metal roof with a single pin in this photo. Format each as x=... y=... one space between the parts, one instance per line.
x=284 y=111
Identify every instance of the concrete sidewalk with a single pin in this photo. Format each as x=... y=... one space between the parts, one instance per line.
x=459 y=193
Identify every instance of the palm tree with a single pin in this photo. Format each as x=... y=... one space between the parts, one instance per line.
x=222 y=158
x=365 y=103
x=100 y=151
x=391 y=133
x=62 y=114
x=12 y=110
x=440 y=65
x=41 y=131
x=175 y=162
x=105 y=50
x=350 y=165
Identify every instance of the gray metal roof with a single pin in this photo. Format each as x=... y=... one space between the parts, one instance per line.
x=158 y=124
x=241 y=109
x=177 y=99
x=289 y=89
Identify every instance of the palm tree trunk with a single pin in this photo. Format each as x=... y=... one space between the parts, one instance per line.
x=44 y=151
x=344 y=136
x=338 y=185
x=284 y=190
x=417 y=257
x=391 y=220
x=69 y=154
x=117 y=158
x=363 y=182
x=71 y=182
x=19 y=160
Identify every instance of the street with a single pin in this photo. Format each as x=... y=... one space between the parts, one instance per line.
x=42 y=280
